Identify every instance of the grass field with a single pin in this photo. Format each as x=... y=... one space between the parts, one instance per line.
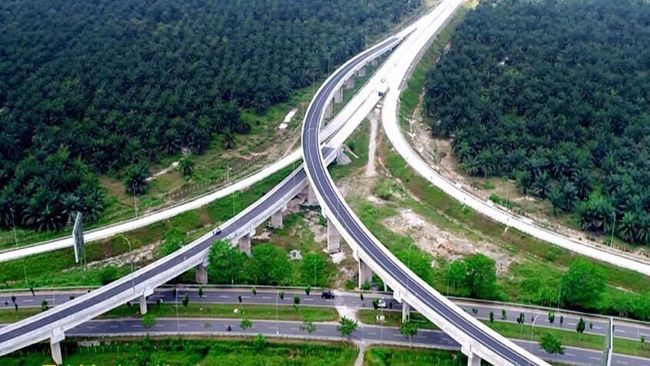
x=192 y=352
x=260 y=312
x=397 y=356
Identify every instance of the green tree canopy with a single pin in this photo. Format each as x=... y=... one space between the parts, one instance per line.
x=551 y=344
x=582 y=284
x=347 y=326
x=225 y=263
x=269 y=265
x=554 y=94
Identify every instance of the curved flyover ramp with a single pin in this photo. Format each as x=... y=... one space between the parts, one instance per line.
x=477 y=340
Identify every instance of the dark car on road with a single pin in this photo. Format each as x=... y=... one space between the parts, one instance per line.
x=327 y=295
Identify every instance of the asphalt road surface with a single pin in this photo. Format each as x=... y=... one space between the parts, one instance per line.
x=324 y=331
x=622 y=329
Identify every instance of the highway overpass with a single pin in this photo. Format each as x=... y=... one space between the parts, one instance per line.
x=477 y=340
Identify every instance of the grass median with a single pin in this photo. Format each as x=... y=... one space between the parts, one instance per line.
x=192 y=352
x=260 y=312
x=398 y=356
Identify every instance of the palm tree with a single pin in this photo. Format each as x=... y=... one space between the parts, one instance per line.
x=229 y=139
x=136 y=179
x=187 y=165
x=627 y=227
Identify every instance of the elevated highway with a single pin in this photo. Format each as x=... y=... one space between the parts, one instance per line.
x=477 y=340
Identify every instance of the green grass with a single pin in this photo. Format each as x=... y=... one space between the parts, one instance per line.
x=260 y=312
x=9 y=315
x=192 y=352
x=393 y=319
x=397 y=356
x=57 y=268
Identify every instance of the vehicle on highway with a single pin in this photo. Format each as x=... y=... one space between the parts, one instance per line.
x=327 y=295
x=216 y=231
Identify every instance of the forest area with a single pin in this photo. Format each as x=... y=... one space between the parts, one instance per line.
x=108 y=87
x=555 y=95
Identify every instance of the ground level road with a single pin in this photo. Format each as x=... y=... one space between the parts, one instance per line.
x=323 y=331
x=481 y=310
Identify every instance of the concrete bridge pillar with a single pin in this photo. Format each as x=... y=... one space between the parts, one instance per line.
x=245 y=244
x=312 y=200
x=406 y=312
x=365 y=273
x=148 y=291
x=276 y=218
x=329 y=110
x=143 y=304
x=202 y=272
x=57 y=357
x=55 y=345
x=349 y=83
x=373 y=62
x=338 y=95
x=333 y=238
x=362 y=72
x=473 y=360
x=341 y=158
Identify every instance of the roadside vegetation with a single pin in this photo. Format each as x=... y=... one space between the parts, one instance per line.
x=187 y=309
x=396 y=356
x=191 y=352
x=57 y=268
x=550 y=94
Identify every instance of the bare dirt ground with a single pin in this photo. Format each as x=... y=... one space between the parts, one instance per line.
x=441 y=243
x=372 y=146
x=143 y=254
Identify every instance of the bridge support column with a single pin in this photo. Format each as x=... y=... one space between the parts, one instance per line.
x=349 y=83
x=338 y=95
x=276 y=219
x=365 y=273
x=329 y=110
x=56 y=352
x=245 y=244
x=406 y=312
x=311 y=197
x=202 y=272
x=333 y=238
x=143 y=304
x=55 y=345
x=473 y=360
x=341 y=158
x=362 y=72
x=373 y=62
